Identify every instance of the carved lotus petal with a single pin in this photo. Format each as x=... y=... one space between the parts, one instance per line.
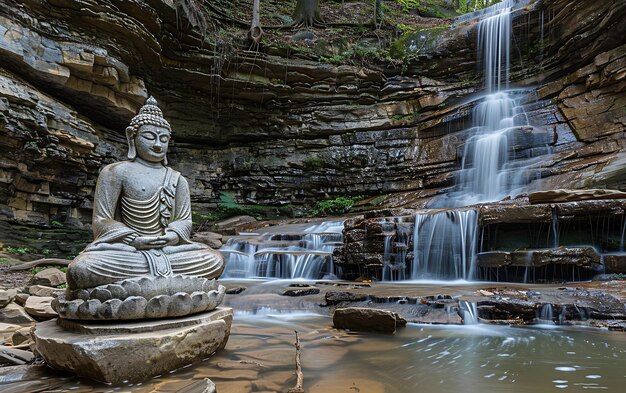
x=209 y=285
x=158 y=307
x=134 y=307
x=101 y=294
x=88 y=309
x=131 y=288
x=117 y=291
x=110 y=309
x=199 y=301
x=180 y=304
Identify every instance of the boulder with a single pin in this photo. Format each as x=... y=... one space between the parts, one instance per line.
x=40 y=307
x=367 y=319
x=7 y=296
x=52 y=277
x=132 y=351
x=15 y=314
x=43 y=291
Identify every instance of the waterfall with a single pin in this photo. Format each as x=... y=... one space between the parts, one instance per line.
x=469 y=312
x=499 y=155
x=444 y=245
x=296 y=251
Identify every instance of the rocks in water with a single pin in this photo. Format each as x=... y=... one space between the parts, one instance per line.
x=561 y=195
x=7 y=296
x=235 y=290
x=300 y=290
x=132 y=351
x=367 y=319
x=52 y=277
x=15 y=357
x=584 y=257
x=15 y=314
x=333 y=298
x=40 y=307
x=493 y=259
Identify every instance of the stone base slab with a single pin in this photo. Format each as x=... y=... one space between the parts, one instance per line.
x=116 y=352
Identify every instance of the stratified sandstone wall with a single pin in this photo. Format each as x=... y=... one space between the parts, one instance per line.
x=263 y=128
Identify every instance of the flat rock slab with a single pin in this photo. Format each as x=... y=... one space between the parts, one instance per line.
x=367 y=319
x=40 y=307
x=135 y=351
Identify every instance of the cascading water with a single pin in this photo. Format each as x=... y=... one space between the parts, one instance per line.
x=497 y=160
x=444 y=245
x=296 y=251
x=498 y=157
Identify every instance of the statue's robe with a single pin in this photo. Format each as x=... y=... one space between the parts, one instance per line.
x=117 y=216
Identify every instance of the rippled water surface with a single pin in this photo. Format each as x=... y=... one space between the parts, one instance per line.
x=419 y=358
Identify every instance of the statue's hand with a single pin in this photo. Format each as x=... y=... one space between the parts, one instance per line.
x=148 y=242
x=171 y=238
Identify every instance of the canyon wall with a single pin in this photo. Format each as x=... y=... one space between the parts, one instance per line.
x=281 y=130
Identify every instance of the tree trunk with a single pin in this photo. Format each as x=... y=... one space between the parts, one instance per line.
x=255 y=33
x=307 y=13
x=378 y=13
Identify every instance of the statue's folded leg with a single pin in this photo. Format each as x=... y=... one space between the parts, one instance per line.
x=196 y=259
x=94 y=268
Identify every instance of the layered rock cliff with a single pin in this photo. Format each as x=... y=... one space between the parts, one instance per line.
x=275 y=128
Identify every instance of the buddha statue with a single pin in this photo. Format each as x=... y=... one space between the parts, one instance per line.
x=142 y=250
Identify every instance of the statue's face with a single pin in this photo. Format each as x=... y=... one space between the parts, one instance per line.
x=151 y=143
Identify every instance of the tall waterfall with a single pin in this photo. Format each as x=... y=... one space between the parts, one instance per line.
x=497 y=159
x=499 y=155
x=291 y=251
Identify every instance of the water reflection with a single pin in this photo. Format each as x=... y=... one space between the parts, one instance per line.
x=425 y=358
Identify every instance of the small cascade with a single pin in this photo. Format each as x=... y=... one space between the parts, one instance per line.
x=397 y=239
x=286 y=251
x=555 y=228
x=545 y=315
x=621 y=242
x=469 y=312
x=444 y=245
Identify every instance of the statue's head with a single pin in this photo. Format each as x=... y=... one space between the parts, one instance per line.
x=148 y=134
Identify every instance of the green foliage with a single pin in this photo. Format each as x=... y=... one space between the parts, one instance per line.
x=18 y=250
x=339 y=205
x=313 y=162
x=408 y=116
x=56 y=224
x=5 y=261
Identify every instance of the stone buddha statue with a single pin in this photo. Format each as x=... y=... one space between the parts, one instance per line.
x=142 y=228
